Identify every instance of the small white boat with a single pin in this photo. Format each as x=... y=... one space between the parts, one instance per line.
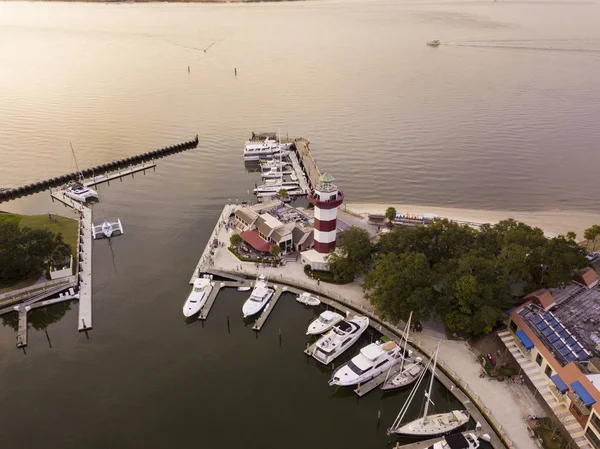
x=458 y=441
x=429 y=426
x=324 y=322
x=198 y=296
x=80 y=193
x=243 y=289
x=339 y=339
x=434 y=43
x=107 y=229
x=371 y=361
x=258 y=298
x=308 y=299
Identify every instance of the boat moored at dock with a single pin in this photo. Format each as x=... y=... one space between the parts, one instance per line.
x=198 y=296
x=324 y=322
x=371 y=361
x=457 y=441
x=107 y=229
x=339 y=339
x=80 y=193
x=255 y=150
x=260 y=296
x=308 y=299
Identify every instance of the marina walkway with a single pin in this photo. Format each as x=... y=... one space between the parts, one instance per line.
x=119 y=174
x=260 y=321
x=299 y=173
x=428 y=443
x=22 y=330
x=84 y=271
x=308 y=161
x=365 y=388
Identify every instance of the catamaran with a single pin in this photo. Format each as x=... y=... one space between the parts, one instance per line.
x=258 y=298
x=198 y=296
x=77 y=190
x=339 y=339
x=324 y=322
x=107 y=229
x=410 y=370
x=428 y=425
x=371 y=361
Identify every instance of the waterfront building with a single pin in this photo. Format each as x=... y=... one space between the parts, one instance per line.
x=555 y=337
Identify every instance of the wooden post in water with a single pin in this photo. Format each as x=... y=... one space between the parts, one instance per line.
x=280 y=337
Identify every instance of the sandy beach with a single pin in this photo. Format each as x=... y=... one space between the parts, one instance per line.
x=553 y=222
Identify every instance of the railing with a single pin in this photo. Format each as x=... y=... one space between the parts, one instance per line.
x=560 y=397
x=578 y=405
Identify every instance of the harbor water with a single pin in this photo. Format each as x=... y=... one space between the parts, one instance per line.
x=501 y=115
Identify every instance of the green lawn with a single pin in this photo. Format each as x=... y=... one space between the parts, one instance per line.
x=67 y=226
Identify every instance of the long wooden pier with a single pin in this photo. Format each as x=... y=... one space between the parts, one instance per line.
x=22 y=330
x=308 y=161
x=299 y=173
x=120 y=174
x=259 y=323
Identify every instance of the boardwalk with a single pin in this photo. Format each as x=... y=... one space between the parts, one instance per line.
x=259 y=323
x=119 y=174
x=22 y=331
x=299 y=172
x=84 y=271
x=308 y=162
x=40 y=295
x=204 y=264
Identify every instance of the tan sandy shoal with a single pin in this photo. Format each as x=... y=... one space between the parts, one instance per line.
x=553 y=222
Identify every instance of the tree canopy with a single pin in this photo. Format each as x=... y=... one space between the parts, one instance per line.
x=465 y=276
x=25 y=252
x=591 y=233
x=274 y=250
x=390 y=214
x=353 y=256
x=235 y=240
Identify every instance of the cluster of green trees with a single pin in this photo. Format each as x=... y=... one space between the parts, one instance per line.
x=464 y=276
x=26 y=252
x=591 y=234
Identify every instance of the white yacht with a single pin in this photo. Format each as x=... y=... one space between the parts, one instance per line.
x=80 y=193
x=410 y=370
x=339 y=339
x=258 y=298
x=428 y=426
x=275 y=173
x=457 y=441
x=256 y=150
x=371 y=361
x=276 y=187
x=308 y=299
x=198 y=296
x=324 y=322
x=267 y=164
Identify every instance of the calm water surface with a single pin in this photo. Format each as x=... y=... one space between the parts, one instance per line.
x=503 y=115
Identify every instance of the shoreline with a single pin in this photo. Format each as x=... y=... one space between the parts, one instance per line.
x=552 y=222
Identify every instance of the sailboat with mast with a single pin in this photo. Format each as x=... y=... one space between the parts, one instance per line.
x=428 y=425
x=76 y=190
x=410 y=370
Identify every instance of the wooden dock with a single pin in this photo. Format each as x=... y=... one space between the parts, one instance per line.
x=308 y=162
x=119 y=174
x=84 y=272
x=428 y=443
x=304 y=187
x=22 y=330
x=259 y=323
x=38 y=296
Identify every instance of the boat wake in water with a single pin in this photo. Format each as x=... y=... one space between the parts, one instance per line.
x=532 y=45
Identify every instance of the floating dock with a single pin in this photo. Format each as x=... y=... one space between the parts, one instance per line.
x=120 y=174
x=308 y=161
x=429 y=443
x=22 y=330
x=369 y=386
x=8 y=194
x=260 y=321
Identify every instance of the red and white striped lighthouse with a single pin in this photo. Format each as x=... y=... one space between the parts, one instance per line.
x=326 y=198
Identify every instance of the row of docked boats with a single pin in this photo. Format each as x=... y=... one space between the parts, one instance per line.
x=255 y=150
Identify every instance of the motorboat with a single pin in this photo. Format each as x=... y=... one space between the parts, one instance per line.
x=428 y=426
x=409 y=373
x=256 y=150
x=371 y=361
x=308 y=299
x=198 y=296
x=457 y=441
x=410 y=370
x=258 y=298
x=324 y=322
x=274 y=188
x=267 y=164
x=107 y=229
x=434 y=43
x=275 y=173
x=243 y=289
x=343 y=335
x=81 y=193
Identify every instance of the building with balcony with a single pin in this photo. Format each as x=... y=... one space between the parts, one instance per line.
x=555 y=337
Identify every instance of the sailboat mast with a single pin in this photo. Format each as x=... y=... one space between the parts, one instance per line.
x=76 y=164
x=431 y=382
x=405 y=342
